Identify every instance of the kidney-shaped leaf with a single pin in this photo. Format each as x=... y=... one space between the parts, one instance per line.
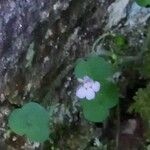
x=94 y=112
x=17 y=124
x=108 y=96
x=95 y=67
x=31 y=120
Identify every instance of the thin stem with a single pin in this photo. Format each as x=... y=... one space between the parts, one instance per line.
x=99 y=39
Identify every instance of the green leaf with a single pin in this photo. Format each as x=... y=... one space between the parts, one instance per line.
x=36 y=134
x=37 y=111
x=95 y=67
x=144 y=3
x=31 y=120
x=18 y=125
x=94 y=112
x=97 y=110
x=109 y=95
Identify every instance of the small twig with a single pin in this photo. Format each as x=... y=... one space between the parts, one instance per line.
x=99 y=39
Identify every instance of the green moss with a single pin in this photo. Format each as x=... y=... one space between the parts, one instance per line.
x=142 y=107
x=142 y=103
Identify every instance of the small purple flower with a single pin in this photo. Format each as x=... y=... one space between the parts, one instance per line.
x=87 y=88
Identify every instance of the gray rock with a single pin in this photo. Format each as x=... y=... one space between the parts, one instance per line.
x=18 y=20
x=40 y=38
x=134 y=14
x=117 y=11
x=137 y=16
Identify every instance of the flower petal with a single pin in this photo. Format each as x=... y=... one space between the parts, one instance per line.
x=96 y=86
x=90 y=94
x=81 y=92
x=87 y=79
x=88 y=85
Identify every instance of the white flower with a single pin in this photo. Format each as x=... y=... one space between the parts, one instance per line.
x=87 y=88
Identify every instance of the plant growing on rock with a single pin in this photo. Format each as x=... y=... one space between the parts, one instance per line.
x=96 y=90
x=32 y=120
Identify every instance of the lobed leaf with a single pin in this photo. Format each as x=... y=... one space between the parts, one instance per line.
x=94 y=112
x=95 y=67
x=31 y=120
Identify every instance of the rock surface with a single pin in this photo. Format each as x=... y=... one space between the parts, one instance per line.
x=33 y=32
x=39 y=43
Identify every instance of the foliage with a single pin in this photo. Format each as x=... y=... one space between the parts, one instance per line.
x=118 y=46
x=142 y=103
x=142 y=107
x=98 y=69
x=120 y=41
x=144 y=3
x=32 y=120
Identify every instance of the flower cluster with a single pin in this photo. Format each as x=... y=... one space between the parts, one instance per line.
x=87 y=88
